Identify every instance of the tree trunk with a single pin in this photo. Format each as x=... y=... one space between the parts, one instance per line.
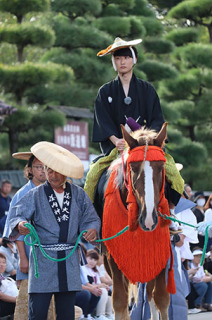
x=191 y=133
x=20 y=50
x=13 y=143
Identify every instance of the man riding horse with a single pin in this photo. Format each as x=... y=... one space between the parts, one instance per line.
x=134 y=103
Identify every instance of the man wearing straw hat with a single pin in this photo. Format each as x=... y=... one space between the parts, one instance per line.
x=34 y=172
x=59 y=212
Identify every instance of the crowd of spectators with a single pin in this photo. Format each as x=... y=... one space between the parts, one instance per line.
x=94 y=301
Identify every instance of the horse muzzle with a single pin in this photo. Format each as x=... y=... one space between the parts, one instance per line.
x=148 y=223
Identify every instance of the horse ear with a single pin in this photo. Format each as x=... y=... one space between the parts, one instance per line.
x=132 y=143
x=161 y=136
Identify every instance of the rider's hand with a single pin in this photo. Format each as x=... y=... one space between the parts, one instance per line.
x=120 y=144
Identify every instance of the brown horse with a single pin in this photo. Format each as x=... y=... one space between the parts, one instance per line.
x=146 y=178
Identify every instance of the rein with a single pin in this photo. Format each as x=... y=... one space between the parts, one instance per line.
x=35 y=240
x=146 y=153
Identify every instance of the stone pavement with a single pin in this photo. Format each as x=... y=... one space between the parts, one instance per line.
x=201 y=316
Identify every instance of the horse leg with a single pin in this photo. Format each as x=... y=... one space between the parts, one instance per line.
x=161 y=296
x=119 y=292
x=149 y=288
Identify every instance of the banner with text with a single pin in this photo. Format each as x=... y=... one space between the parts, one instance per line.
x=74 y=137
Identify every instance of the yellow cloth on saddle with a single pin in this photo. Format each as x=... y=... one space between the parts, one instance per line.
x=173 y=175
x=96 y=169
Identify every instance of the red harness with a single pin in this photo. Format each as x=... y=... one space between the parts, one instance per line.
x=140 y=255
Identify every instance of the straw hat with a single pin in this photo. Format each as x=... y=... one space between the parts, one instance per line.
x=118 y=44
x=58 y=159
x=22 y=155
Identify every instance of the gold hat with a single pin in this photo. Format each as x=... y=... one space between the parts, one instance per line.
x=118 y=44
x=58 y=159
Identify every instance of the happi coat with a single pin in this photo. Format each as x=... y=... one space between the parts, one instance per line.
x=111 y=111
x=35 y=207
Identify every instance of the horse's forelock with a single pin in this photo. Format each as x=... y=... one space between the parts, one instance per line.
x=144 y=135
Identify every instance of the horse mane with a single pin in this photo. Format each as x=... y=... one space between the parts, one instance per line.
x=142 y=136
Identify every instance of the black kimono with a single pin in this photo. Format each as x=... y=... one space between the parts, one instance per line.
x=111 y=110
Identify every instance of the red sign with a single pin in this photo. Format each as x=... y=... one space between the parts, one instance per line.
x=74 y=137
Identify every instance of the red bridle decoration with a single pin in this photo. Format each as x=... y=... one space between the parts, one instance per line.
x=140 y=255
x=141 y=153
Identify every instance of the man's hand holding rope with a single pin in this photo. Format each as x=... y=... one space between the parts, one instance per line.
x=22 y=229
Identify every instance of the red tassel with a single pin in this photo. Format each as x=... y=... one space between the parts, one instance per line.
x=171 y=282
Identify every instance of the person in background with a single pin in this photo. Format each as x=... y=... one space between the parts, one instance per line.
x=199 y=199
x=208 y=209
x=8 y=290
x=91 y=275
x=208 y=261
x=188 y=191
x=5 y=199
x=104 y=276
x=59 y=211
x=9 y=249
x=201 y=281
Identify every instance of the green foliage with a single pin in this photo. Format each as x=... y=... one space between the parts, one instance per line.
x=112 y=10
x=121 y=26
x=153 y=26
x=84 y=62
x=27 y=34
x=8 y=53
x=207 y=78
x=158 y=70
x=18 y=78
x=73 y=9
x=174 y=137
x=158 y=45
x=123 y=4
x=192 y=9
x=71 y=36
x=77 y=95
x=170 y=113
x=187 y=111
x=182 y=36
x=198 y=55
x=142 y=8
x=21 y=7
x=190 y=153
x=18 y=120
x=183 y=86
x=200 y=177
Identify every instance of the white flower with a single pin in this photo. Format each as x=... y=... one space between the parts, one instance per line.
x=110 y=99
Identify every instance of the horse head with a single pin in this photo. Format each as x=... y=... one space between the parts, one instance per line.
x=146 y=173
